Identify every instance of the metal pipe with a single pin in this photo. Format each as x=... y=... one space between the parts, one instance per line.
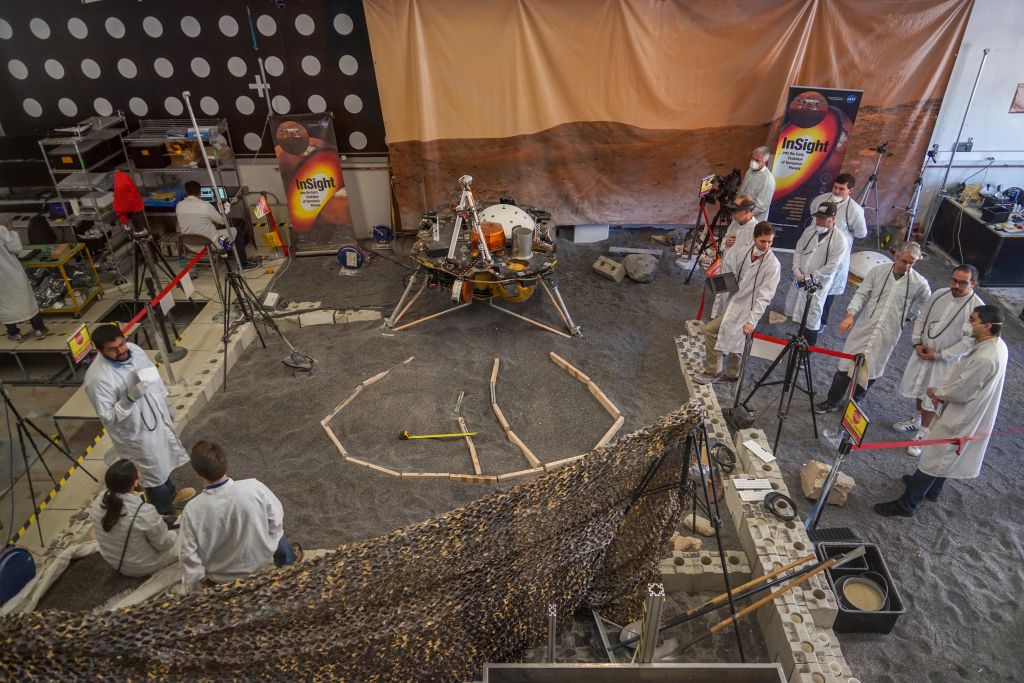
x=651 y=623
x=552 y=631
x=956 y=143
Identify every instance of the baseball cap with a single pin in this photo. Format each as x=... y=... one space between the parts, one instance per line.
x=741 y=204
x=825 y=210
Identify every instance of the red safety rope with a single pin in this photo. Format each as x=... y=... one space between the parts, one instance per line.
x=815 y=349
x=958 y=440
x=171 y=285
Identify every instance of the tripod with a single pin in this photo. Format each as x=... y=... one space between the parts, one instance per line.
x=251 y=311
x=871 y=188
x=915 y=199
x=148 y=261
x=717 y=221
x=24 y=430
x=798 y=361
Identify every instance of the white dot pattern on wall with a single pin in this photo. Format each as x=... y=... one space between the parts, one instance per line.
x=266 y=25
x=228 y=26
x=209 y=106
x=77 y=28
x=353 y=104
x=67 y=106
x=310 y=65
x=6 y=32
x=244 y=105
x=200 y=67
x=163 y=67
x=115 y=27
x=127 y=67
x=305 y=25
x=252 y=141
x=18 y=69
x=173 y=106
x=348 y=65
x=237 y=67
x=281 y=104
x=32 y=107
x=317 y=104
x=357 y=140
x=190 y=27
x=152 y=27
x=53 y=69
x=138 y=106
x=102 y=106
x=39 y=28
x=91 y=68
x=274 y=66
x=343 y=24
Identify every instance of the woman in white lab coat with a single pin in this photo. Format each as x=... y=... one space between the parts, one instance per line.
x=17 y=302
x=133 y=537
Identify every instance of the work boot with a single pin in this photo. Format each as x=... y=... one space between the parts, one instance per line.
x=184 y=495
x=928 y=496
x=891 y=509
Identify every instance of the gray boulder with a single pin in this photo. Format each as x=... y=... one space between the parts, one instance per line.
x=640 y=267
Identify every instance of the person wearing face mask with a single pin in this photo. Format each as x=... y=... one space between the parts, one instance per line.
x=759 y=183
x=739 y=235
x=967 y=405
x=817 y=256
x=757 y=272
x=889 y=297
x=941 y=337
x=850 y=224
x=137 y=415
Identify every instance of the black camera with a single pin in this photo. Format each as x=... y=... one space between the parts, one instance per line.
x=809 y=284
x=725 y=188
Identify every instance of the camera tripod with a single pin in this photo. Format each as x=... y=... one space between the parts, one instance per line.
x=146 y=267
x=915 y=200
x=798 y=362
x=251 y=311
x=24 y=430
x=722 y=218
x=871 y=189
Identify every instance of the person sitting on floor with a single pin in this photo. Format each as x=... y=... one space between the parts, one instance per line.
x=132 y=535
x=231 y=529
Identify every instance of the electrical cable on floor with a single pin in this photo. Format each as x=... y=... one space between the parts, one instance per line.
x=776 y=503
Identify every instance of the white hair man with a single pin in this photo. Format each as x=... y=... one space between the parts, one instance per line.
x=889 y=297
x=759 y=183
x=941 y=338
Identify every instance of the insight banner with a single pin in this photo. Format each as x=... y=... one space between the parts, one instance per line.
x=809 y=154
x=307 y=156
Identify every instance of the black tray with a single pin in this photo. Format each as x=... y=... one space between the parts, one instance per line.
x=856 y=621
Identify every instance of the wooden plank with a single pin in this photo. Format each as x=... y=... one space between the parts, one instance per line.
x=473 y=479
x=565 y=365
x=611 y=432
x=604 y=401
x=344 y=403
x=530 y=457
x=472 y=448
x=370 y=465
x=341 y=449
x=501 y=418
x=425 y=475
x=494 y=370
x=520 y=474
x=564 y=461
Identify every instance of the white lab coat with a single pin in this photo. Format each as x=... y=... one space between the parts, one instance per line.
x=819 y=258
x=228 y=532
x=761 y=186
x=882 y=306
x=17 y=302
x=744 y=235
x=150 y=547
x=196 y=217
x=757 y=284
x=144 y=431
x=941 y=328
x=970 y=402
x=851 y=223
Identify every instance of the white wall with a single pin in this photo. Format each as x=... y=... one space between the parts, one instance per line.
x=365 y=177
x=999 y=26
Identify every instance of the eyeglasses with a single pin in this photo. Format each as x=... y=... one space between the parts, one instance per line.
x=962 y=283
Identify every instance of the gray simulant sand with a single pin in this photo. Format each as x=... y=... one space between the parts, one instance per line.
x=957 y=563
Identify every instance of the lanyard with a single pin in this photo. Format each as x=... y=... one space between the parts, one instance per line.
x=906 y=296
x=956 y=315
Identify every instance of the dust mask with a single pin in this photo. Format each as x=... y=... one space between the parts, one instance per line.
x=836 y=199
x=968 y=330
x=760 y=252
x=754 y=166
x=822 y=230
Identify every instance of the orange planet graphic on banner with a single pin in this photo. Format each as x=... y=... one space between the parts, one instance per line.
x=315 y=182
x=807 y=153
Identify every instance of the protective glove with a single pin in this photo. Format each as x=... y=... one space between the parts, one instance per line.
x=138 y=391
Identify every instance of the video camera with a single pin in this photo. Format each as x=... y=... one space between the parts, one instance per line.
x=809 y=284
x=725 y=188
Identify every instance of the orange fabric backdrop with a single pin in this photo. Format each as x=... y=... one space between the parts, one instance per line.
x=610 y=110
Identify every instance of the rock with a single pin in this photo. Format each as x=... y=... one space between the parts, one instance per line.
x=812 y=478
x=640 y=267
x=701 y=526
x=685 y=543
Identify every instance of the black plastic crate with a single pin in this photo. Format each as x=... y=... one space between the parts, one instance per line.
x=856 y=621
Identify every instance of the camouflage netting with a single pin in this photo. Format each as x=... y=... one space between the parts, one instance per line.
x=430 y=602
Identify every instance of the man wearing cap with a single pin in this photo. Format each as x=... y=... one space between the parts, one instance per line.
x=816 y=260
x=850 y=224
x=740 y=233
x=759 y=183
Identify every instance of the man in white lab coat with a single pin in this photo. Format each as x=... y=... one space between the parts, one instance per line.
x=968 y=403
x=850 y=224
x=17 y=302
x=198 y=217
x=816 y=259
x=759 y=183
x=137 y=415
x=940 y=340
x=231 y=529
x=739 y=235
x=757 y=272
x=889 y=297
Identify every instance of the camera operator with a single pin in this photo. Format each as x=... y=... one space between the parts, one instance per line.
x=196 y=217
x=889 y=297
x=850 y=224
x=816 y=260
x=740 y=233
x=757 y=272
x=759 y=182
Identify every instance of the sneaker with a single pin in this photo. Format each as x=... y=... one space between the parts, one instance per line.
x=920 y=435
x=299 y=553
x=16 y=337
x=250 y=265
x=41 y=334
x=927 y=496
x=825 y=406
x=707 y=378
x=184 y=495
x=911 y=424
x=684 y=263
x=891 y=509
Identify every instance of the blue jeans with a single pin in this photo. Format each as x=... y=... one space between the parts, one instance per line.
x=162 y=497
x=920 y=484
x=284 y=554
